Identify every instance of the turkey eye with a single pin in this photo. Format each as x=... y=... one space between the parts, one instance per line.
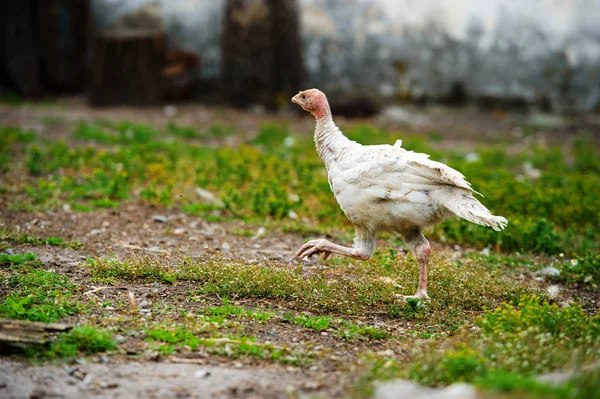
x=303 y=96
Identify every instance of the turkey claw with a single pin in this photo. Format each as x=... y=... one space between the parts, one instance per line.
x=313 y=247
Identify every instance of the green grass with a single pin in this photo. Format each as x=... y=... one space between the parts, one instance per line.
x=168 y=340
x=34 y=294
x=279 y=173
x=14 y=236
x=318 y=323
x=584 y=270
x=17 y=259
x=81 y=340
x=458 y=288
x=220 y=313
x=516 y=343
x=516 y=340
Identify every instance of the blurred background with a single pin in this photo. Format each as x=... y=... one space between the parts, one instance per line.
x=536 y=55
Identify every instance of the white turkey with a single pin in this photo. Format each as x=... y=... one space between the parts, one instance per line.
x=387 y=188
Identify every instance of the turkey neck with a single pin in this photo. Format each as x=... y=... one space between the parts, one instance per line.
x=329 y=140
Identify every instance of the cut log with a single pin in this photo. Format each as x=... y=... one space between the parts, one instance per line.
x=127 y=66
x=261 y=51
x=20 y=331
x=64 y=28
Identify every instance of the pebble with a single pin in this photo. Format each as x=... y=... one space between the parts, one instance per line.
x=553 y=291
x=160 y=218
x=152 y=355
x=89 y=378
x=202 y=373
x=145 y=311
x=110 y=308
x=259 y=233
x=179 y=231
x=144 y=305
x=549 y=271
x=402 y=389
x=10 y=251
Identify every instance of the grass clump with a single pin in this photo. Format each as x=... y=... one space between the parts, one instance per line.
x=84 y=340
x=582 y=270
x=516 y=340
x=317 y=323
x=458 y=289
x=37 y=295
x=220 y=313
x=16 y=259
x=11 y=235
x=168 y=340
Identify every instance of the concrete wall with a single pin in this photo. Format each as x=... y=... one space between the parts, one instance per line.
x=536 y=50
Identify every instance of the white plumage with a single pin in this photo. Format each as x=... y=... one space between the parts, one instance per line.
x=387 y=188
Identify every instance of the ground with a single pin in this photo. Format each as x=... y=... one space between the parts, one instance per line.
x=203 y=298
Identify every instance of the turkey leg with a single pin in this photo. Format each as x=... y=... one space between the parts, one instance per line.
x=421 y=252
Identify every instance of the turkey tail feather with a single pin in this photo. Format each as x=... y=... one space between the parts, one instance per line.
x=464 y=205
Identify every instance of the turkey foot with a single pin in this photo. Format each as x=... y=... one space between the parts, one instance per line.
x=418 y=295
x=327 y=248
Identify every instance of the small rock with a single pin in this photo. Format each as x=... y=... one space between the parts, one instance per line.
x=208 y=196
x=311 y=385
x=202 y=373
x=472 y=157
x=66 y=207
x=120 y=338
x=110 y=308
x=485 y=252
x=89 y=378
x=144 y=305
x=160 y=218
x=145 y=311
x=292 y=215
x=95 y=232
x=226 y=247
x=170 y=111
x=51 y=270
x=103 y=359
x=549 y=271
x=106 y=223
x=179 y=231
x=259 y=233
x=152 y=355
x=553 y=291
x=10 y=251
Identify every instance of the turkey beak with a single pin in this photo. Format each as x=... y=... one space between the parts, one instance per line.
x=296 y=99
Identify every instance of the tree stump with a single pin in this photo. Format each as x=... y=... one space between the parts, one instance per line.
x=126 y=67
x=64 y=36
x=261 y=52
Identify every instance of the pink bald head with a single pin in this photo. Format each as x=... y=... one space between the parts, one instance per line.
x=313 y=101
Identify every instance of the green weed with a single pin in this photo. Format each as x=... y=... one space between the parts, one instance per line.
x=37 y=295
x=85 y=340
x=11 y=235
